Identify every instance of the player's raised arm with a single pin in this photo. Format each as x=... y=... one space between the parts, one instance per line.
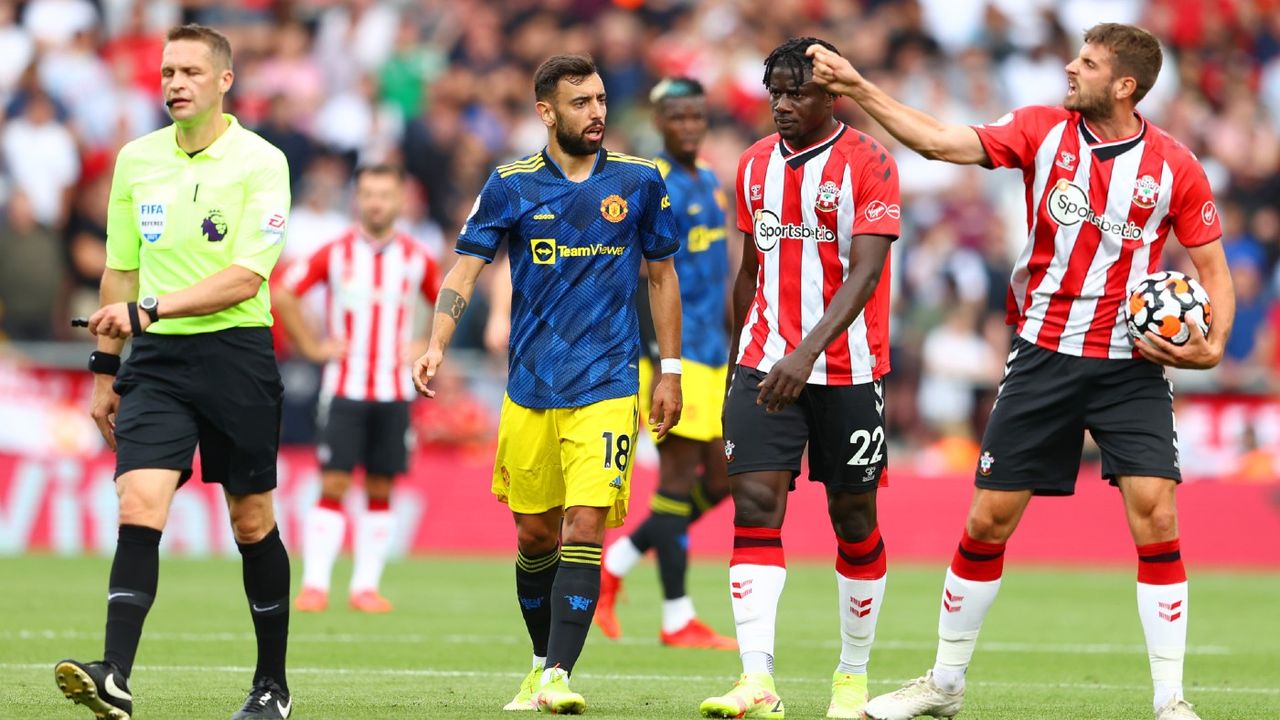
x=455 y=294
x=664 y=301
x=917 y=130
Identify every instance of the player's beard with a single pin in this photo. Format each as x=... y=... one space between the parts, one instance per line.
x=1092 y=107
x=577 y=144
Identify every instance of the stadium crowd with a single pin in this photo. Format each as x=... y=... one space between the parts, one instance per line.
x=443 y=86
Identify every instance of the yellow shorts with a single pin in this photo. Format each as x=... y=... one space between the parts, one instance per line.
x=702 y=387
x=564 y=457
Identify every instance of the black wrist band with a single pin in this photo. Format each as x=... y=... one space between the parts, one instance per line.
x=103 y=363
x=135 y=323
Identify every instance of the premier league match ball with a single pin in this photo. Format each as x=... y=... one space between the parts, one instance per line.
x=1165 y=303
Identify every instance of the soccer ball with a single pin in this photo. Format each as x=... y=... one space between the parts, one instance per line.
x=1165 y=303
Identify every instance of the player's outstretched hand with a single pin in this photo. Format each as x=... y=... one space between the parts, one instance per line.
x=103 y=407
x=667 y=405
x=1197 y=354
x=783 y=384
x=424 y=369
x=832 y=72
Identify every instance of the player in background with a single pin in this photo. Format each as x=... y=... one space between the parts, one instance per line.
x=1105 y=188
x=373 y=276
x=692 y=475
x=576 y=219
x=818 y=206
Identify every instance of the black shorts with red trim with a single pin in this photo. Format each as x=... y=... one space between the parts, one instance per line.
x=1046 y=402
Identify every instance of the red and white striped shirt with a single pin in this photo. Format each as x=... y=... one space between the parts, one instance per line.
x=1098 y=215
x=372 y=292
x=802 y=208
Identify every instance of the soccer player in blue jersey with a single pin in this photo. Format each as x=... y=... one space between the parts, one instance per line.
x=693 y=476
x=576 y=219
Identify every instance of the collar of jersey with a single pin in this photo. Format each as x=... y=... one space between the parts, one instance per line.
x=796 y=158
x=602 y=157
x=219 y=147
x=1112 y=148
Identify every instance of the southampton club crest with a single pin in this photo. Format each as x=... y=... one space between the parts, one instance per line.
x=828 y=197
x=984 y=464
x=1146 y=191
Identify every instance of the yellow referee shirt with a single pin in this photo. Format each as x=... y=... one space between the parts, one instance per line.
x=178 y=219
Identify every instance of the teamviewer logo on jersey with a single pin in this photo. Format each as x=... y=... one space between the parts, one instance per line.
x=544 y=251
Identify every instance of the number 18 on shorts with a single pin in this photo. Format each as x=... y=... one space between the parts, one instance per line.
x=562 y=457
x=842 y=425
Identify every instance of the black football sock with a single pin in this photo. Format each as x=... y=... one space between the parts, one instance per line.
x=266 y=584
x=670 y=521
x=642 y=538
x=130 y=592
x=573 y=603
x=534 y=577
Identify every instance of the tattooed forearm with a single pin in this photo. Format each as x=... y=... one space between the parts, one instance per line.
x=451 y=303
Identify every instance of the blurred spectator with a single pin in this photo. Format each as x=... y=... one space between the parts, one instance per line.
x=17 y=49
x=958 y=363
x=85 y=237
x=30 y=276
x=54 y=23
x=42 y=158
x=281 y=128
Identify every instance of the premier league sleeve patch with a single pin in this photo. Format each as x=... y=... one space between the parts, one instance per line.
x=151 y=221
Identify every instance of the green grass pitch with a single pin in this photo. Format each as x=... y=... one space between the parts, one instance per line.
x=1061 y=644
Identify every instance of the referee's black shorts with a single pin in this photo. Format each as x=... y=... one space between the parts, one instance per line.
x=219 y=390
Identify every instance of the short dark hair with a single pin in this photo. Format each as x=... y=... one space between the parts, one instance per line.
x=384 y=168
x=675 y=87
x=791 y=54
x=574 y=68
x=1137 y=53
x=217 y=43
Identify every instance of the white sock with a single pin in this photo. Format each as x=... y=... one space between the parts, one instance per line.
x=322 y=531
x=621 y=556
x=754 y=590
x=539 y=663
x=1163 y=610
x=964 y=606
x=860 y=602
x=551 y=673
x=676 y=613
x=374 y=531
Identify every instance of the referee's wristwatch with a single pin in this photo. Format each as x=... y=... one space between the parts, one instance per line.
x=151 y=306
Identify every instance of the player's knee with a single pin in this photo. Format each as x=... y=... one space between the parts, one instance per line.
x=378 y=487
x=251 y=518
x=334 y=484
x=584 y=525
x=986 y=526
x=1160 y=524
x=536 y=539
x=854 y=527
x=756 y=506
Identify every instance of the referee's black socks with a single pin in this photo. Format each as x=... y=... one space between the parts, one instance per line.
x=266 y=584
x=131 y=590
x=573 y=603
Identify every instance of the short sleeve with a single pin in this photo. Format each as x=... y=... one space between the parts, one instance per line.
x=1012 y=141
x=307 y=272
x=261 y=235
x=123 y=239
x=740 y=197
x=658 y=238
x=1195 y=216
x=492 y=217
x=877 y=201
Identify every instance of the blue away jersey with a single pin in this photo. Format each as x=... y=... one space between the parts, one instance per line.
x=698 y=205
x=575 y=251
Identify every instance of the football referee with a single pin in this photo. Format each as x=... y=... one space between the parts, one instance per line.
x=196 y=222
